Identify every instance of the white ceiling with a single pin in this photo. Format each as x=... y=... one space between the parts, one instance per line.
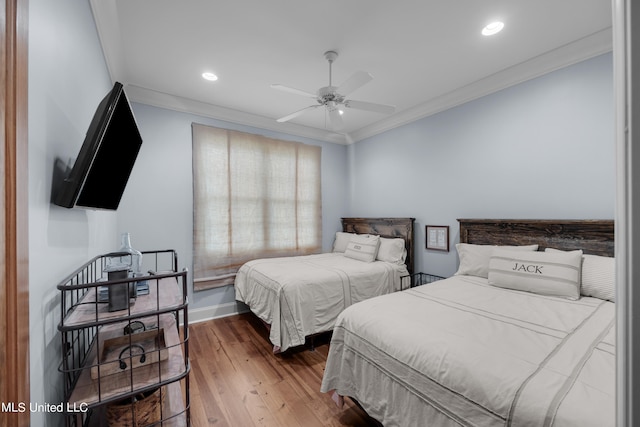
x=425 y=55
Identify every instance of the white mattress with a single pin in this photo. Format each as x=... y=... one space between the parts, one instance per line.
x=301 y=296
x=461 y=352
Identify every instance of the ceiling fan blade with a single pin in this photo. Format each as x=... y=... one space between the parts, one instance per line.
x=370 y=106
x=295 y=114
x=334 y=116
x=354 y=82
x=294 y=90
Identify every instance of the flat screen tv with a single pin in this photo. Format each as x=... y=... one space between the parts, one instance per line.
x=102 y=168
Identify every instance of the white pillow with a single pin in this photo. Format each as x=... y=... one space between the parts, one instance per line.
x=474 y=259
x=598 y=276
x=546 y=273
x=341 y=241
x=363 y=247
x=392 y=250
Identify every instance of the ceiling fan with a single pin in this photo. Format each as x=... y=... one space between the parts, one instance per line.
x=334 y=98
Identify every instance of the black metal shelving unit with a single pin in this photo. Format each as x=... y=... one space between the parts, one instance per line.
x=150 y=338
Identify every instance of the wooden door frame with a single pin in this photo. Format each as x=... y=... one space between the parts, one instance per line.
x=14 y=267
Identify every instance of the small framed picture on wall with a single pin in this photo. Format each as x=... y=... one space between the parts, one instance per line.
x=438 y=237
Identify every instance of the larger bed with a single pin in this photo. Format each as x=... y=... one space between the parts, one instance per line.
x=302 y=296
x=466 y=351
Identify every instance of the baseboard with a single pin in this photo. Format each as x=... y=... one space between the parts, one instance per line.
x=215 y=312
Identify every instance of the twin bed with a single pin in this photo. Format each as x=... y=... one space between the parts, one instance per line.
x=300 y=297
x=496 y=344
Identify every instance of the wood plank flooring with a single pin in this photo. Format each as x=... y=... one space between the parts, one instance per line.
x=236 y=380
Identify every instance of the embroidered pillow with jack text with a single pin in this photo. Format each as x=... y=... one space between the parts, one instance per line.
x=545 y=273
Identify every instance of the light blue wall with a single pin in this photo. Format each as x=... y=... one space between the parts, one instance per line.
x=67 y=79
x=542 y=149
x=157 y=206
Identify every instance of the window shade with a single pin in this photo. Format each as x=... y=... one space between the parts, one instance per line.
x=254 y=197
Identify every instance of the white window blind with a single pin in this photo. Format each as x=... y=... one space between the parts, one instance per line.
x=254 y=197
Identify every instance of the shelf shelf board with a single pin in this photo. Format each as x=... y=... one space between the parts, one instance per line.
x=88 y=311
x=111 y=387
x=174 y=413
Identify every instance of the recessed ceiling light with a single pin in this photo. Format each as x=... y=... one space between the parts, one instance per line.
x=493 y=28
x=209 y=76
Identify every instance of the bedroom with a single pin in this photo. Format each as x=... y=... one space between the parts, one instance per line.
x=60 y=239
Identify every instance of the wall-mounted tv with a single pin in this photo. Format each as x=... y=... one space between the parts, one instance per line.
x=102 y=168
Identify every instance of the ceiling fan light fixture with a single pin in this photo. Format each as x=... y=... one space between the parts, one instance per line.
x=209 y=76
x=333 y=98
x=493 y=28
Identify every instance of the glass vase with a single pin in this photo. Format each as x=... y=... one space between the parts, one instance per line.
x=134 y=255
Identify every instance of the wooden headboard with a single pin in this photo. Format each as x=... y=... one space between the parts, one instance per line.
x=592 y=236
x=385 y=227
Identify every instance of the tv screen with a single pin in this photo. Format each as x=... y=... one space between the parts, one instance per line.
x=102 y=168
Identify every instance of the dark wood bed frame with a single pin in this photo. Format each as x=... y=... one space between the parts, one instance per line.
x=594 y=237
x=385 y=227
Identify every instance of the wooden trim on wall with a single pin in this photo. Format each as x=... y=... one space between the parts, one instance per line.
x=14 y=268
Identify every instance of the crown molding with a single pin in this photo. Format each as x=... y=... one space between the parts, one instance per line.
x=185 y=105
x=105 y=15
x=564 y=56
x=106 y=18
x=588 y=47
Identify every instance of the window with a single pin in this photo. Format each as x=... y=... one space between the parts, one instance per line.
x=254 y=197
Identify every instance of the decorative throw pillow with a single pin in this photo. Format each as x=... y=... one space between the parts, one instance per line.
x=546 y=273
x=598 y=276
x=363 y=247
x=341 y=241
x=391 y=250
x=474 y=259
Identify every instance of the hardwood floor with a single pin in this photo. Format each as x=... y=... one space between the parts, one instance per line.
x=236 y=380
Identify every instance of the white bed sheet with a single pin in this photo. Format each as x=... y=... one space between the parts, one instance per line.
x=461 y=352
x=301 y=296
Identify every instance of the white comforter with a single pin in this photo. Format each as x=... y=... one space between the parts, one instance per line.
x=461 y=352
x=301 y=296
